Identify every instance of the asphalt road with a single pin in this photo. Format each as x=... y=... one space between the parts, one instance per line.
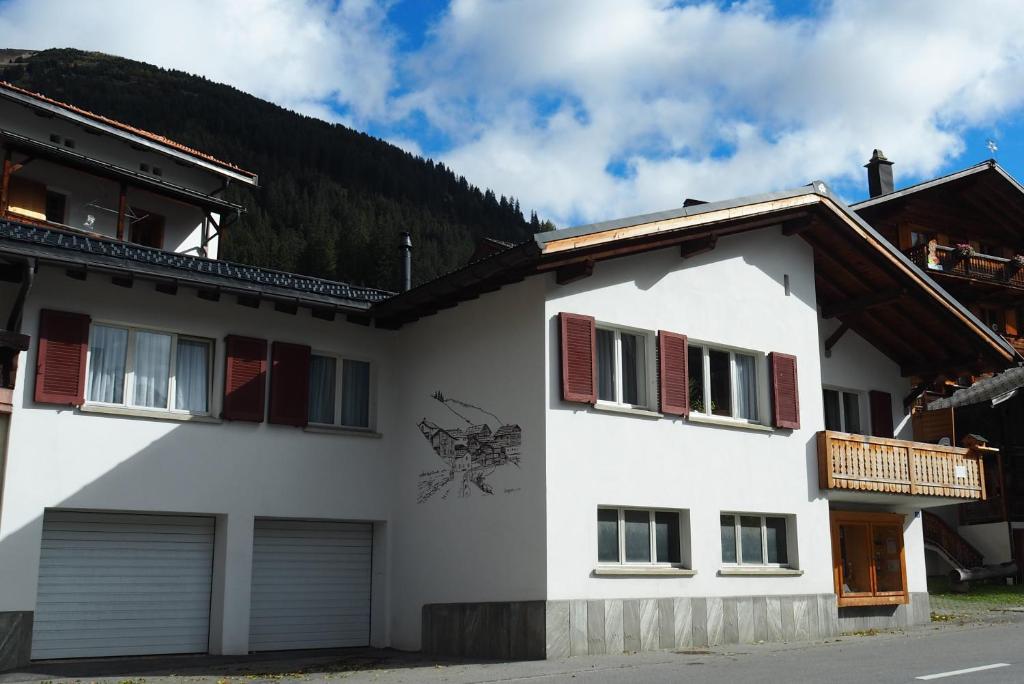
x=934 y=653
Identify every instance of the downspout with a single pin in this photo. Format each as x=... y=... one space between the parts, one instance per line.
x=14 y=325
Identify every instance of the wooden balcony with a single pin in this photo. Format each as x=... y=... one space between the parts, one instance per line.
x=875 y=465
x=979 y=267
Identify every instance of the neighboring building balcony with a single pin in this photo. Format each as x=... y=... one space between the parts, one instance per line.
x=867 y=469
x=969 y=265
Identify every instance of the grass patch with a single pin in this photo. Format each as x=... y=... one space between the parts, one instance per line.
x=989 y=592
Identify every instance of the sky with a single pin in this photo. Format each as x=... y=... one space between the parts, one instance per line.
x=588 y=110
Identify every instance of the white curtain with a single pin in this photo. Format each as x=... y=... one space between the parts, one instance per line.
x=191 y=376
x=152 y=369
x=107 y=347
x=355 y=394
x=322 y=370
x=746 y=387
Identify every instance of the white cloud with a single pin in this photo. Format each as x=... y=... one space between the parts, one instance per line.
x=544 y=100
x=709 y=101
x=303 y=55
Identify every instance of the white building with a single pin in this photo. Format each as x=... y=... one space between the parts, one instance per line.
x=606 y=439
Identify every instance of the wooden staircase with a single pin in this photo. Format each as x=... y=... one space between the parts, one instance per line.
x=944 y=539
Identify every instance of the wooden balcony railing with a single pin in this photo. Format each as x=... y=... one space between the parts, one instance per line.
x=896 y=466
x=984 y=267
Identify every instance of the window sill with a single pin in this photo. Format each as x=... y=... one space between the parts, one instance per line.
x=730 y=422
x=755 y=571
x=145 y=413
x=640 y=571
x=628 y=410
x=338 y=430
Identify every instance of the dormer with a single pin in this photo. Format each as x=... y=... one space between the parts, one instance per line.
x=69 y=169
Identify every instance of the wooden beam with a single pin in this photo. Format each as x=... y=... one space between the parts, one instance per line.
x=864 y=303
x=796 y=227
x=286 y=307
x=323 y=314
x=169 y=287
x=253 y=302
x=210 y=295
x=570 y=273
x=123 y=280
x=5 y=182
x=122 y=208
x=950 y=367
x=360 y=319
x=692 y=248
x=834 y=337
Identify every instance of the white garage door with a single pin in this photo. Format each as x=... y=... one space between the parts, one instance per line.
x=114 y=584
x=310 y=585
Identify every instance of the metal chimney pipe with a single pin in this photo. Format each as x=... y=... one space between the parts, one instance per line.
x=405 y=247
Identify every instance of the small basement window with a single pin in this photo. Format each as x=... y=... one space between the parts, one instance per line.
x=339 y=392
x=628 y=536
x=623 y=358
x=753 y=539
x=725 y=382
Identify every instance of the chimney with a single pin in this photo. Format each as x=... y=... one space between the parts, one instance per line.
x=879 y=174
x=405 y=247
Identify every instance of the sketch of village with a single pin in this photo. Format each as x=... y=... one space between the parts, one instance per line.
x=471 y=453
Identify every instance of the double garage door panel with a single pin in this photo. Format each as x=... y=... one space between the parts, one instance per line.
x=310 y=585
x=123 y=584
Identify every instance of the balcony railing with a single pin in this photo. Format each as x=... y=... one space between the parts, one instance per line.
x=894 y=466
x=984 y=267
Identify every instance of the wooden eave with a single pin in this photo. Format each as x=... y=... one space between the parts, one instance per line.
x=922 y=328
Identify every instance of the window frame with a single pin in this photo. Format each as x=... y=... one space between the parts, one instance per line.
x=862 y=407
x=652 y=538
x=738 y=542
x=650 y=370
x=760 y=377
x=339 y=384
x=128 y=388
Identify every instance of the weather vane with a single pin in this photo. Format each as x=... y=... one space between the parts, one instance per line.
x=992 y=146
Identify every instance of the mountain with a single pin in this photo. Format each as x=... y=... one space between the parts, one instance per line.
x=333 y=200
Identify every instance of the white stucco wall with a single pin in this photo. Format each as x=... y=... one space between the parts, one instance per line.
x=733 y=296
x=858 y=366
x=62 y=457
x=489 y=353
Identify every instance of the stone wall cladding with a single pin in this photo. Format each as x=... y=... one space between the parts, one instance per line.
x=559 y=629
x=858 y=619
x=15 y=639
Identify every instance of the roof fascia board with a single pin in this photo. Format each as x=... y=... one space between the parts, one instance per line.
x=148 y=143
x=942 y=180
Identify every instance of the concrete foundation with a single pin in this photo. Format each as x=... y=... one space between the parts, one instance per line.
x=558 y=629
x=15 y=639
x=917 y=612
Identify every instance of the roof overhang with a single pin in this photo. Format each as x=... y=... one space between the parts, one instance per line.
x=70 y=158
x=921 y=326
x=55 y=109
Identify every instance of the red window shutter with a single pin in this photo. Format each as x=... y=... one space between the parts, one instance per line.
x=673 y=375
x=60 y=366
x=785 y=391
x=245 y=378
x=881 y=413
x=579 y=358
x=289 y=384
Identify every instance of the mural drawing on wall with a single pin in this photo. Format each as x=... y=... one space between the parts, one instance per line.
x=471 y=452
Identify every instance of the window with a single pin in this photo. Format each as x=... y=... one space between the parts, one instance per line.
x=622 y=358
x=867 y=552
x=725 y=382
x=627 y=535
x=750 y=539
x=842 y=411
x=56 y=206
x=148 y=369
x=339 y=391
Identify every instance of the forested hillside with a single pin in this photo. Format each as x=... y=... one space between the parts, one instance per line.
x=332 y=200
